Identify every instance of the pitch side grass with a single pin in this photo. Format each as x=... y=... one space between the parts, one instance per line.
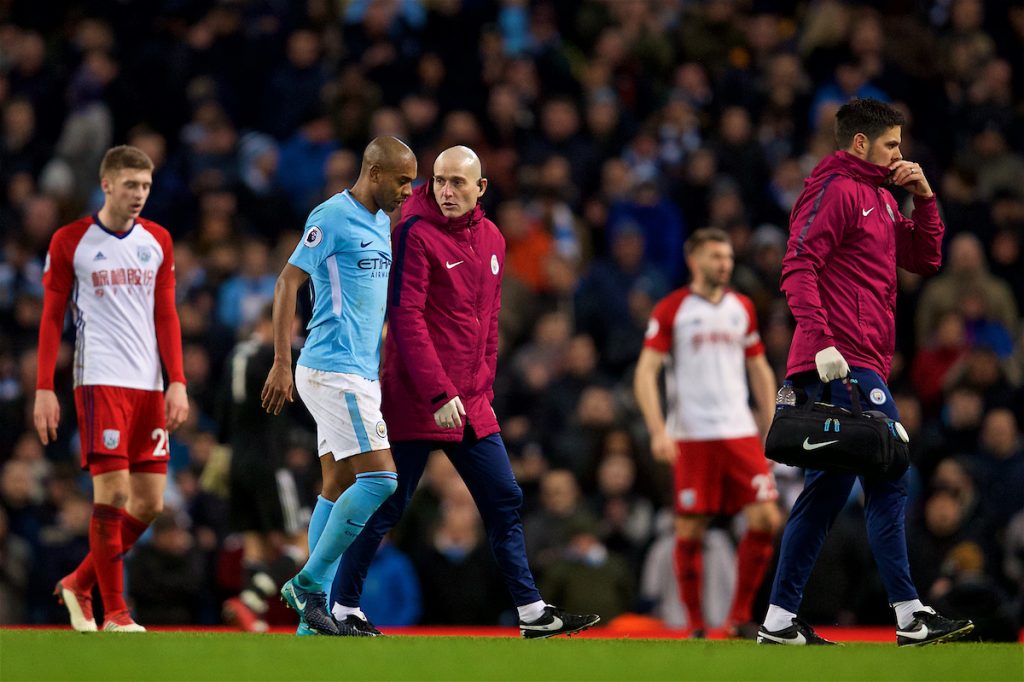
x=63 y=655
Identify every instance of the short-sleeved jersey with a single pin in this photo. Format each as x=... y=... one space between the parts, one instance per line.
x=347 y=252
x=111 y=278
x=706 y=375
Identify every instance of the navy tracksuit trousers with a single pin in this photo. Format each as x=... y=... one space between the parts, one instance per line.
x=484 y=466
x=825 y=494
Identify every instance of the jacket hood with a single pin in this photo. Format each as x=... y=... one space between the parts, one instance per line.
x=423 y=204
x=845 y=163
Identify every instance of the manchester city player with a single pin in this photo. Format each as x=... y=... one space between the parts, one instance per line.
x=346 y=250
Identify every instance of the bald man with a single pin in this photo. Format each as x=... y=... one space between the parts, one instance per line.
x=345 y=252
x=441 y=355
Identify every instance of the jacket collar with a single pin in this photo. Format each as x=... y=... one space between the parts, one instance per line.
x=858 y=168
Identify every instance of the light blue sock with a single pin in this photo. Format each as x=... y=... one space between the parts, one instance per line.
x=317 y=523
x=318 y=520
x=351 y=512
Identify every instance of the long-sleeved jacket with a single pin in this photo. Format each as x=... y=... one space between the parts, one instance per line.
x=443 y=303
x=846 y=237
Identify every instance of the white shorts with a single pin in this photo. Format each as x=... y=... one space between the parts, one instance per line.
x=346 y=408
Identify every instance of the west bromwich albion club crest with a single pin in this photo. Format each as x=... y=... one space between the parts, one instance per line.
x=111 y=438
x=145 y=254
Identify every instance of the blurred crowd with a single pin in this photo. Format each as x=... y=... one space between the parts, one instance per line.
x=609 y=129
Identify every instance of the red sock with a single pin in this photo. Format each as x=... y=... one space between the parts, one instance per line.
x=755 y=552
x=105 y=547
x=84 y=576
x=690 y=574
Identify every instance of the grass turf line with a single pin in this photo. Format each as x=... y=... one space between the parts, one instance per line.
x=62 y=655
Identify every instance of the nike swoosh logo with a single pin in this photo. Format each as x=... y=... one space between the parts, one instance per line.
x=353 y=523
x=365 y=244
x=300 y=604
x=799 y=639
x=452 y=265
x=920 y=633
x=556 y=624
x=865 y=213
x=808 y=445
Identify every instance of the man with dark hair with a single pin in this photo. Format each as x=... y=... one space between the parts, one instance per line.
x=706 y=337
x=846 y=239
x=345 y=252
x=868 y=117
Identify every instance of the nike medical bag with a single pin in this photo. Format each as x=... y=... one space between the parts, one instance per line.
x=820 y=435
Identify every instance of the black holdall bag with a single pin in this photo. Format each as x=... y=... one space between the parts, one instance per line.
x=820 y=435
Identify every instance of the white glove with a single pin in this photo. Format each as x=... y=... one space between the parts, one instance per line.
x=450 y=415
x=831 y=364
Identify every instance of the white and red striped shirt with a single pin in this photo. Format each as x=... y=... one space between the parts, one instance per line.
x=121 y=286
x=706 y=375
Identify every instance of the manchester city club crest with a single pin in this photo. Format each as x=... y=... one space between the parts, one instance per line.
x=111 y=438
x=145 y=254
x=877 y=396
x=382 y=429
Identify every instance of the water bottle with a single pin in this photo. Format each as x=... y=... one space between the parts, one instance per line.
x=786 y=397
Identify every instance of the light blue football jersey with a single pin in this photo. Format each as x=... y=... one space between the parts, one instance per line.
x=347 y=252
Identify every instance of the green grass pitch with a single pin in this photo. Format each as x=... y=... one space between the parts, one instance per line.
x=62 y=655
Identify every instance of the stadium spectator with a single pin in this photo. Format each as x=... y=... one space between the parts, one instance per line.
x=616 y=296
x=999 y=470
x=167 y=575
x=587 y=575
x=392 y=595
x=943 y=350
x=944 y=524
x=458 y=580
x=243 y=296
x=966 y=273
x=547 y=528
x=626 y=516
x=15 y=565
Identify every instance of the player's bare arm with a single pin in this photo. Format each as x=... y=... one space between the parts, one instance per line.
x=176 y=405
x=762 y=387
x=46 y=415
x=645 y=387
x=279 y=386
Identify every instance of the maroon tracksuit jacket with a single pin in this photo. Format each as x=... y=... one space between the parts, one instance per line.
x=443 y=303
x=846 y=237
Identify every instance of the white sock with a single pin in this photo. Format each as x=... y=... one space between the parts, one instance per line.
x=905 y=611
x=531 y=612
x=340 y=611
x=778 y=618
